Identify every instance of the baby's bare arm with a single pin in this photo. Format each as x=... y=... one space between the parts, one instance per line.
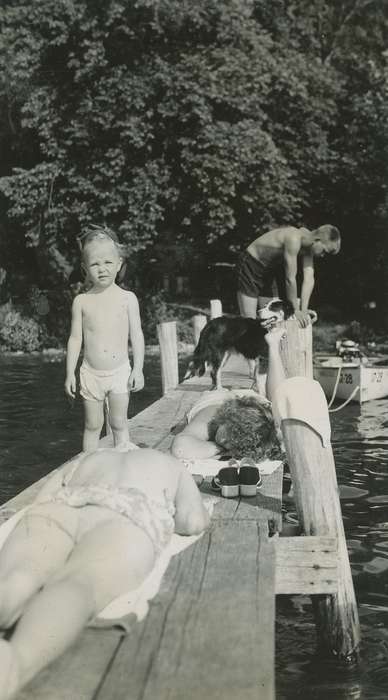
x=137 y=342
x=73 y=346
x=135 y=331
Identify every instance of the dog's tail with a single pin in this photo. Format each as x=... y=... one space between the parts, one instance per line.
x=197 y=364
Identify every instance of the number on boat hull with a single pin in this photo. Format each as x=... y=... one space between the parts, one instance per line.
x=346 y=378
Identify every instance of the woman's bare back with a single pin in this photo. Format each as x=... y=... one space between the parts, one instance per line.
x=146 y=469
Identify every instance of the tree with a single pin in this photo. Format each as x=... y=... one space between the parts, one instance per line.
x=205 y=121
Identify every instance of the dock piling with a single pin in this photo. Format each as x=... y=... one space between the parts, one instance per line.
x=297 y=350
x=168 y=355
x=215 y=308
x=199 y=321
x=317 y=501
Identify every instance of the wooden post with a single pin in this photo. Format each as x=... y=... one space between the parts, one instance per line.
x=296 y=350
x=215 y=308
x=168 y=355
x=317 y=502
x=199 y=321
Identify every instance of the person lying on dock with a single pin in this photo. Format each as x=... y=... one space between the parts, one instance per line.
x=235 y=423
x=102 y=319
x=93 y=533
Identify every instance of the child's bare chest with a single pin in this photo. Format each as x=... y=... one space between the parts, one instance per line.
x=105 y=317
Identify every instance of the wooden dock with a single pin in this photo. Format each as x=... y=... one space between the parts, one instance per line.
x=210 y=631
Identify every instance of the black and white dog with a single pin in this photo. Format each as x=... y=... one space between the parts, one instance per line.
x=235 y=334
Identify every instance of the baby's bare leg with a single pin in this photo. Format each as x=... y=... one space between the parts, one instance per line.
x=94 y=420
x=118 y=418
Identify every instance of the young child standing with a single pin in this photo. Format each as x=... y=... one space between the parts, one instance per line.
x=103 y=319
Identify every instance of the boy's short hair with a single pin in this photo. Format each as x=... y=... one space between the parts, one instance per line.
x=250 y=428
x=331 y=233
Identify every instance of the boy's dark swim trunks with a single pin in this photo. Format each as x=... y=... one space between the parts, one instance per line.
x=256 y=277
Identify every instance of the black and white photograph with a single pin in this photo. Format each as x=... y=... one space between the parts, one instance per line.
x=193 y=349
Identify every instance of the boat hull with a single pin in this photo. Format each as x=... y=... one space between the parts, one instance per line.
x=372 y=381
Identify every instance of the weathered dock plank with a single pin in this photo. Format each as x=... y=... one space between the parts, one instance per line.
x=306 y=565
x=204 y=634
x=77 y=674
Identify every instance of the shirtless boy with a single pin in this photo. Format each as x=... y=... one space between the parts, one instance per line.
x=278 y=251
x=102 y=320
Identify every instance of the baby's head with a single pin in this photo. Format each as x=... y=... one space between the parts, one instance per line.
x=244 y=427
x=97 y=234
x=100 y=247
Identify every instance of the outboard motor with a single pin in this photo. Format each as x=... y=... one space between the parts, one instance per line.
x=348 y=350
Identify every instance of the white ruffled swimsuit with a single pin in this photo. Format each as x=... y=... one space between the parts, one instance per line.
x=155 y=518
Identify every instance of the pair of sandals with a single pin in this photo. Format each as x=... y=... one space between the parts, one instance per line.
x=238 y=479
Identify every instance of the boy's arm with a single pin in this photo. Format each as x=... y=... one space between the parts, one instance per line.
x=292 y=246
x=191 y=516
x=137 y=342
x=308 y=282
x=73 y=347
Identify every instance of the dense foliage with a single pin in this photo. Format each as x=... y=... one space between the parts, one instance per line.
x=189 y=127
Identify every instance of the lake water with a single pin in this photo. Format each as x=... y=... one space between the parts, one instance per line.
x=39 y=431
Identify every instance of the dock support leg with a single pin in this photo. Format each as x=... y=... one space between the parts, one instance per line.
x=199 y=321
x=317 y=502
x=168 y=355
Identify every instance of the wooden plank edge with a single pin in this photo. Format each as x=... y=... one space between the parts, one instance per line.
x=306 y=565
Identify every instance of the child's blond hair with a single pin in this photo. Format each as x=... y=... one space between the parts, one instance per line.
x=97 y=232
x=100 y=232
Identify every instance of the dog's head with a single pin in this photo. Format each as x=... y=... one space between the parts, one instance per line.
x=275 y=311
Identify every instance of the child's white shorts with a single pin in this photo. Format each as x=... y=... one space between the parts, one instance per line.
x=97 y=383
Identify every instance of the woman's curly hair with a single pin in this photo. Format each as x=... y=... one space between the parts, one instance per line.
x=250 y=428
